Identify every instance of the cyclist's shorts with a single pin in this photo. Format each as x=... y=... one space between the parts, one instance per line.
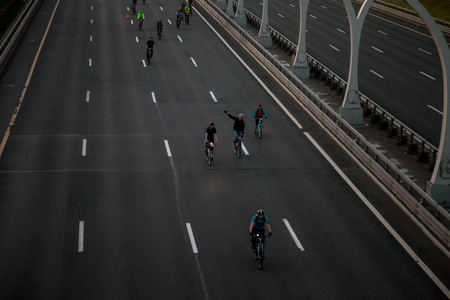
x=237 y=133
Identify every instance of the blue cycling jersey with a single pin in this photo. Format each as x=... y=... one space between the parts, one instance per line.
x=260 y=223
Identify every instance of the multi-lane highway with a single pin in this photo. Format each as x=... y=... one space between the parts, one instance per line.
x=105 y=192
x=399 y=66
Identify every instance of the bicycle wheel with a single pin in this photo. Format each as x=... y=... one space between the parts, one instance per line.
x=149 y=57
x=260 y=258
x=259 y=131
x=209 y=156
x=239 y=149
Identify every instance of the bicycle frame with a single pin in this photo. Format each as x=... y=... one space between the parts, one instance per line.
x=259 y=252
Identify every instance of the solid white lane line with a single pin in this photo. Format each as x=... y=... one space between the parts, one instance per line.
x=88 y=95
x=179 y=37
x=191 y=237
x=314 y=17
x=338 y=29
x=382 y=32
x=153 y=97
x=161 y=8
x=212 y=96
x=281 y=15
x=292 y=5
x=436 y=110
x=255 y=76
x=193 y=61
x=381 y=51
x=425 y=74
x=83 y=147
x=168 y=20
x=90 y=62
x=169 y=154
x=90 y=38
x=334 y=48
x=323 y=6
x=376 y=73
x=294 y=236
x=137 y=40
x=244 y=149
x=81 y=236
x=131 y=22
x=383 y=221
x=429 y=53
x=143 y=63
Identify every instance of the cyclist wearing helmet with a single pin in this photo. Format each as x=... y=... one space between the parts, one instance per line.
x=210 y=137
x=238 y=127
x=257 y=226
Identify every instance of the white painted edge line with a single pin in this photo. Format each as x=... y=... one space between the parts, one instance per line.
x=143 y=63
x=435 y=109
x=92 y=21
x=153 y=97
x=81 y=236
x=294 y=236
x=179 y=37
x=90 y=62
x=244 y=149
x=83 y=147
x=255 y=76
x=131 y=22
x=376 y=73
x=334 y=48
x=137 y=40
x=88 y=95
x=340 y=30
x=281 y=15
x=212 y=96
x=425 y=51
x=292 y=5
x=375 y=48
x=168 y=20
x=191 y=237
x=324 y=7
x=169 y=154
x=90 y=38
x=161 y=8
x=382 y=32
x=193 y=61
x=314 y=17
x=425 y=74
x=380 y=218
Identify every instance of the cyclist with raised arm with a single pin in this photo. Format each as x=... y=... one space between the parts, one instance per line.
x=258 y=225
x=238 y=127
x=141 y=18
x=159 y=27
x=210 y=137
x=150 y=46
x=258 y=113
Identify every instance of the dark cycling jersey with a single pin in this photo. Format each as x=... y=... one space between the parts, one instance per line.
x=239 y=125
x=159 y=25
x=150 y=44
x=210 y=132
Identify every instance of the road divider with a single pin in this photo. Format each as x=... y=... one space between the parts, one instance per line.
x=293 y=235
x=191 y=237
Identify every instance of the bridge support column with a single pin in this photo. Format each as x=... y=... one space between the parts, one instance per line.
x=300 y=67
x=221 y=4
x=351 y=109
x=240 y=18
x=264 y=37
x=230 y=9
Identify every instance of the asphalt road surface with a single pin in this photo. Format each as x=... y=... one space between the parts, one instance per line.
x=399 y=66
x=105 y=192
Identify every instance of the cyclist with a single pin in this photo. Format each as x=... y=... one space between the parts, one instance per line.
x=238 y=127
x=133 y=6
x=187 y=11
x=259 y=112
x=191 y=2
x=179 y=17
x=257 y=226
x=141 y=18
x=159 y=26
x=150 y=46
x=182 y=6
x=210 y=137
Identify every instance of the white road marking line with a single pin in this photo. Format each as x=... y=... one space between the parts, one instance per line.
x=334 y=48
x=81 y=236
x=193 y=61
x=128 y=8
x=314 y=17
x=161 y=8
x=292 y=5
x=323 y=6
x=169 y=21
x=429 y=53
x=90 y=62
x=131 y=22
x=376 y=73
x=90 y=38
x=92 y=8
x=153 y=97
x=143 y=63
x=191 y=237
x=338 y=29
x=436 y=110
x=212 y=96
x=244 y=149
x=381 y=51
x=281 y=15
x=83 y=147
x=92 y=21
x=256 y=76
x=383 y=221
x=137 y=40
x=425 y=74
x=169 y=154
x=382 y=32
x=294 y=236
x=261 y=4
x=179 y=37
x=306 y=30
x=88 y=95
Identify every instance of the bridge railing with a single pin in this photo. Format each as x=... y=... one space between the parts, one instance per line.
x=411 y=196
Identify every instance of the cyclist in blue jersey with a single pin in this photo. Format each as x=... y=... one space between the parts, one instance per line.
x=258 y=225
x=259 y=112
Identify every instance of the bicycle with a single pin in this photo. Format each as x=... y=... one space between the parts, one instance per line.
x=159 y=33
x=260 y=126
x=259 y=251
x=149 y=55
x=209 y=152
x=178 y=22
x=133 y=8
x=141 y=21
x=238 y=146
x=186 y=18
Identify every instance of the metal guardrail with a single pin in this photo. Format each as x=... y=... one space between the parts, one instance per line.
x=426 y=210
x=378 y=115
x=16 y=30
